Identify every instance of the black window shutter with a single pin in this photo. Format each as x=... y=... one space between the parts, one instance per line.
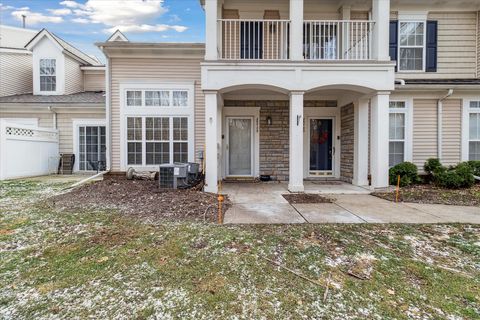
x=431 y=47
x=393 y=43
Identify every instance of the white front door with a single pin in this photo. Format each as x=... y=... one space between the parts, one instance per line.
x=239 y=147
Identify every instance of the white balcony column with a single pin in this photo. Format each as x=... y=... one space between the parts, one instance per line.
x=379 y=139
x=212 y=30
x=360 y=146
x=295 y=182
x=212 y=146
x=381 y=30
x=296 y=29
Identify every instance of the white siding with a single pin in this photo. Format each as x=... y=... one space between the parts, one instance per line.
x=451 y=131
x=161 y=70
x=424 y=131
x=94 y=80
x=15 y=73
x=73 y=76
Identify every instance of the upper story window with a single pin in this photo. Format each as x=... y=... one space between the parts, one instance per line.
x=411 y=46
x=48 y=75
x=157 y=98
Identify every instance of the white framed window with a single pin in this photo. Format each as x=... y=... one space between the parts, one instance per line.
x=48 y=75
x=411 y=45
x=153 y=140
x=397 y=132
x=92 y=148
x=134 y=98
x=157 y=98
x=474 y=130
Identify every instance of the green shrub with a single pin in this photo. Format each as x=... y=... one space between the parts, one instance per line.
x=407 y=171
x=433 y=166
x=457 y=177
x=475 y=165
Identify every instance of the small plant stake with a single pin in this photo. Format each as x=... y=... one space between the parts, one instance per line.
x=220 y=199
x=398 y=189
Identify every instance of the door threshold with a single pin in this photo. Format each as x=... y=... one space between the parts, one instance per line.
x=240 y=179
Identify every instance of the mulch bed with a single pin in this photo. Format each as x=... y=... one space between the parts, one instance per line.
x=141 y=198
x=430 y=194
x=297 y=198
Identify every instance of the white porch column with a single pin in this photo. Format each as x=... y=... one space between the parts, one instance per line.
x=360 y=147
x=296 y=29
x=379 y=139
x=295 y=183
x=211 y=34
x=211 y=142
x=381 y=30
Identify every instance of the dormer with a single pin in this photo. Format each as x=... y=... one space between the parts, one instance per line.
x=57 y=65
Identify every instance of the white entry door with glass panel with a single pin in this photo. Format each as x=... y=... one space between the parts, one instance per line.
x=321 y=146
x=92 y=148
x=239 y=146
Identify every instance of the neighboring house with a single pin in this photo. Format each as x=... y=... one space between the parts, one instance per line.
x=299 y=89
x=66 y=91
x=15 y=61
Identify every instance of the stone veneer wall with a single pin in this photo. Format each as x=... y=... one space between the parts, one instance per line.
x=347 y=115
x=274 y=140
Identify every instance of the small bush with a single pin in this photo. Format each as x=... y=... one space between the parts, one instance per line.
x=433 y=166
x=475 y=165
x=457 y=177
x=407 y=171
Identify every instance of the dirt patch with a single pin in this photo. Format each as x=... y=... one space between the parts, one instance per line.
x=434 y=195
x=296 y=198
x=141 y=198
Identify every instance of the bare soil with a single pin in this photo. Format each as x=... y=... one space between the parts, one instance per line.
x=433 y=195
x=297 y=198
x=142 y=198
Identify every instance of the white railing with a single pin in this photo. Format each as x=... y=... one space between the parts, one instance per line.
x=254 y=39
x=337 y=40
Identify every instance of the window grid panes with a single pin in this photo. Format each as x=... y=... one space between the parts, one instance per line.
x=48 y=71
x=157 y=140
x=474 y=132
x=134 y=141
x=411 y=45
x=134 y=98
x=157 y=98
x=397 y=121
x=92 y=148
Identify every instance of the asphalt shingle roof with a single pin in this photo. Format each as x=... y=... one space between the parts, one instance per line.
x=75 y=98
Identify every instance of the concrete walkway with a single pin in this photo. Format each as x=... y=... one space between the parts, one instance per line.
x=263 y=203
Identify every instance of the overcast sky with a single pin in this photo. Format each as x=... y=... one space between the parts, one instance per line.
x=84 y=22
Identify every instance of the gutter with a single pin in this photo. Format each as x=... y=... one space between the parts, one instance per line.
x=440 y=121
x=54 y=116
x=400 y=81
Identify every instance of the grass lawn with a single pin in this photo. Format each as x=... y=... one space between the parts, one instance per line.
x=101 y=264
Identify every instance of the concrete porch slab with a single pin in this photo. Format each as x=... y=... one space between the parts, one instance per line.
x=326 y=213
x=262 y=213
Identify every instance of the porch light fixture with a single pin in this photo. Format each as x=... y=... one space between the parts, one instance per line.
x=269 y=120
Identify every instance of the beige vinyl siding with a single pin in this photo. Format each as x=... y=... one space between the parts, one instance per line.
x=478 y=44
x=94 y=81
x=73 y=76
x=65 y=127
x=161 y=70
x=424 y=131
x=457 y=47
x=451 y=131
x=64 y=122
x=15 y=73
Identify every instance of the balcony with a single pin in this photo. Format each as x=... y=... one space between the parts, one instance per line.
x=270 y=39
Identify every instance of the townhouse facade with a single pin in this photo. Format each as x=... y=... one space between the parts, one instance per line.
x=292 y=90
x=47 y=82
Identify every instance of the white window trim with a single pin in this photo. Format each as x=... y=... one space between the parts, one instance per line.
x=466 y=111
x=76 y=124
x=23 y=121
x=40 y=75
x=408 y=111
x=155 y=111
x=424 y=53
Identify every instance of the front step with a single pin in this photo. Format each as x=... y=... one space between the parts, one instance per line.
x=240 y=179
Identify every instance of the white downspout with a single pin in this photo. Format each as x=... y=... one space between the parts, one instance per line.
x=54 y=116
x=439 y=122
x=400 y=81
